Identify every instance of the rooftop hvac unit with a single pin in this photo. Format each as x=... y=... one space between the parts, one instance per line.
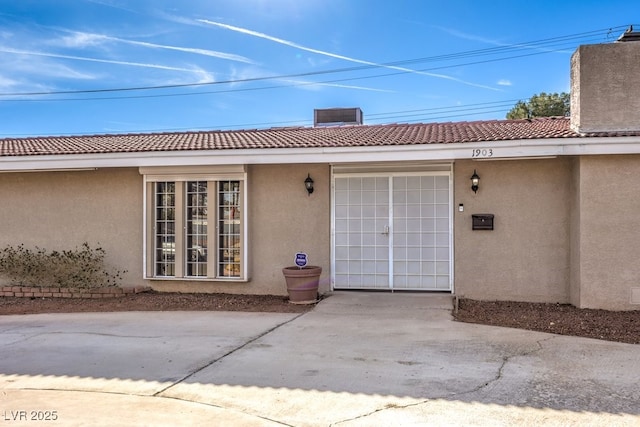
x=337 y=117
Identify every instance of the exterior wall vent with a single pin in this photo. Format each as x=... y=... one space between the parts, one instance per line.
x=337 y=117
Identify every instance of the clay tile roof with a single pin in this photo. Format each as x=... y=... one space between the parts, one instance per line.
x=298 y=137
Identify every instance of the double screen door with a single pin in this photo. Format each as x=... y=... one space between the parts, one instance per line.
x=392 y=232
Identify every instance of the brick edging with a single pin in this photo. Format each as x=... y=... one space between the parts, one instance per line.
x=38 y=292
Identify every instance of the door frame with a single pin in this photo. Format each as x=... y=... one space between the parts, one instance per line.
x=393 y=170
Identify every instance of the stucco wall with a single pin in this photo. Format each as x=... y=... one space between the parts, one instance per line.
x=283 y=220
x=526 y=256
x=609 y=241
x=605 y=89
x=566 y=229
x=62 y=210
x=574 y=234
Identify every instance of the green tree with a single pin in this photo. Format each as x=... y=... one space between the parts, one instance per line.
x=541 y=105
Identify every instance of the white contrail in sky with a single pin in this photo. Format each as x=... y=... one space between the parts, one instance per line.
x=310 y=85
x=82 y=58
x=81 y=38
x=333 y=55
x=473 y=37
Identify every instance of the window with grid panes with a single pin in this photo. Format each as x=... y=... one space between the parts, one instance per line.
x=198 y=229
x=165 y=227
x=229 y=242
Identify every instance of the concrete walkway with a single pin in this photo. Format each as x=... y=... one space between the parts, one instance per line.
x=357 y=359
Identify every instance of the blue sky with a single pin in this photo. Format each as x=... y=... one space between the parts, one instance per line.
x=246 y=64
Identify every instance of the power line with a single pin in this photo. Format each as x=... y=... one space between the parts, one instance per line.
x=429 y=113
x=250 y=89
x=449 y=116
x=542 y=45
x=407 y=116
x=447 y=108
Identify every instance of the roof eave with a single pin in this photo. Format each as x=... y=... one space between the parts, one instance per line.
x=521 y=148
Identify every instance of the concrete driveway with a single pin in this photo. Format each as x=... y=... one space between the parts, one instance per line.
x=357 y=359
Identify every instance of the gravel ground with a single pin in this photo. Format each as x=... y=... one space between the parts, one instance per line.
x=562 y=319
x=621 y=326
x=153 y=301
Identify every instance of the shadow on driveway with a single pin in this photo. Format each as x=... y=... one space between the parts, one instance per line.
x=356 y=359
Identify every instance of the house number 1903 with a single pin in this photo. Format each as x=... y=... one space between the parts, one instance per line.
x=482 y=152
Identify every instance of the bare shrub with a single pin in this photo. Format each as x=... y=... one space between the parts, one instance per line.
x=82 y=267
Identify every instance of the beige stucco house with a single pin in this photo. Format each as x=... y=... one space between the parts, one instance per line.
x=556 y=209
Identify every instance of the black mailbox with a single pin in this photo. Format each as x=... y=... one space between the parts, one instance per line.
x=482 y=221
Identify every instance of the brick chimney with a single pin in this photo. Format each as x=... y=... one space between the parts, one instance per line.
x=605 y=86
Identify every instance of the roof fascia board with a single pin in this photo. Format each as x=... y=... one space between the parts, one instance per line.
x=334 y=155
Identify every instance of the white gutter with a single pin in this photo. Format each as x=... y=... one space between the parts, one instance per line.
x=485 y=150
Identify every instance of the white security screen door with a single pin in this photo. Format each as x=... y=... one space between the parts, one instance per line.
x=362 y=233
x=392 y=232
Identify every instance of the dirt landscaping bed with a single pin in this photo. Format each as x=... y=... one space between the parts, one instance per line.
x=621 y=326
x=562 y=319
x=153 y=301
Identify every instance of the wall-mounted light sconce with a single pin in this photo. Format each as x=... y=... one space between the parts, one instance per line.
x=475 y=180
x=308 y=184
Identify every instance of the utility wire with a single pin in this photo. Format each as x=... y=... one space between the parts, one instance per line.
x=542 y=45
x=250 y=89
x=425 y=114
x=476 y=110
x=449 y=116
x=554 y=44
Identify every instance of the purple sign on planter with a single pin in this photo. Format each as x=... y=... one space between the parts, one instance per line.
x=301 y=259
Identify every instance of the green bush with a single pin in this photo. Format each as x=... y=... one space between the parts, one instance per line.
x=82 y=267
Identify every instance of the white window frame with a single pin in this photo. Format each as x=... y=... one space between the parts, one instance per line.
x=181 y=175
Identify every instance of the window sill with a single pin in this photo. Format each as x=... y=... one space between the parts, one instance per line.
x=200 y=279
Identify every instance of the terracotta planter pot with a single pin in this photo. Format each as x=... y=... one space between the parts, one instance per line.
x=302 y=283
